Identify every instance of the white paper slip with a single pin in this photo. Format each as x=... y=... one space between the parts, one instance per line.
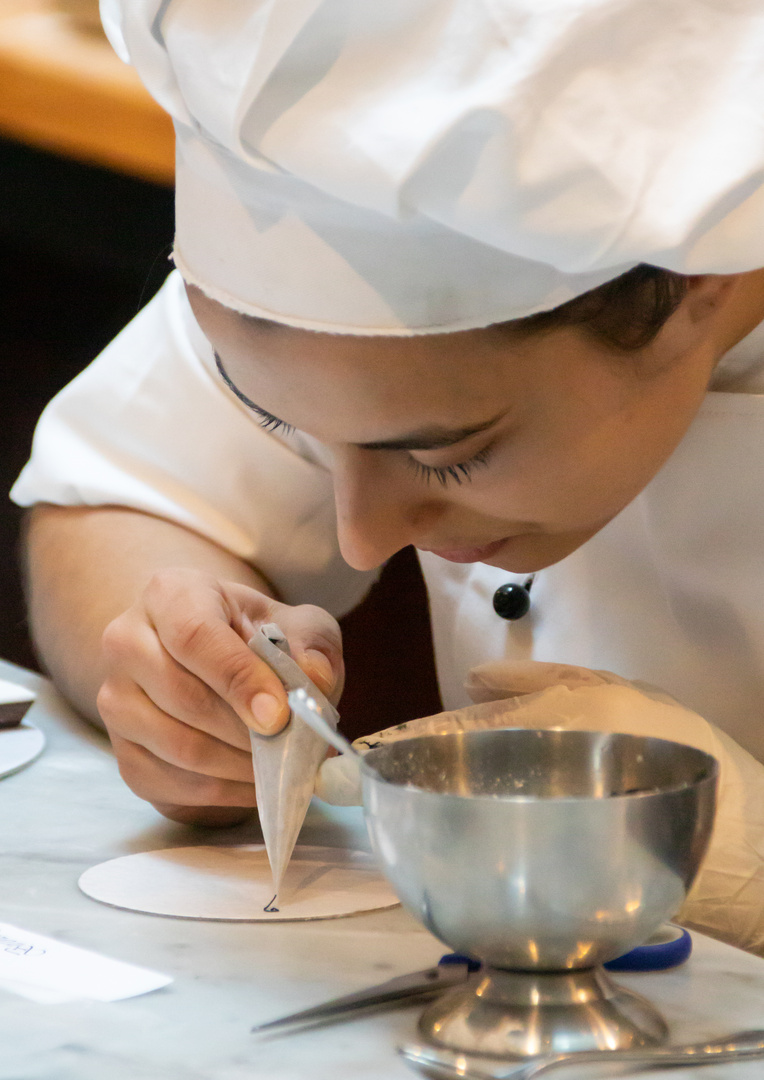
x=45 y=970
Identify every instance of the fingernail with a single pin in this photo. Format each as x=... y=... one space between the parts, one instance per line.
x=316 y=665
x=266 y=710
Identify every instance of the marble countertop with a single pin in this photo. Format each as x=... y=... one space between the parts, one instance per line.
x=70 y=810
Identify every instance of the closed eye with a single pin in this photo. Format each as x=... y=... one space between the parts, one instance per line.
x=272 y=423
x=451 y=474
x=265 y=419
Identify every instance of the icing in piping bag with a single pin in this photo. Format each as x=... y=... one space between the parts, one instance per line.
x=286 y=764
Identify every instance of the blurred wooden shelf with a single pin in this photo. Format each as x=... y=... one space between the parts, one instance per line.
x=63 y=89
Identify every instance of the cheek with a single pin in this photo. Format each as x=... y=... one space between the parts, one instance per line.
x=575 y=482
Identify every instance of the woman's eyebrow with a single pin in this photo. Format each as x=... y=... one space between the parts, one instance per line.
x=429 y=438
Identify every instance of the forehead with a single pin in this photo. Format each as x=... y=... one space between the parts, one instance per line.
x=298 y=374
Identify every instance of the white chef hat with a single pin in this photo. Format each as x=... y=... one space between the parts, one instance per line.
x=419 y=166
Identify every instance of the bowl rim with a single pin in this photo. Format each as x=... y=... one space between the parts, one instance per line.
x=711 y=773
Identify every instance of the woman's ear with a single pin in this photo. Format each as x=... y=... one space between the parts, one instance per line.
x=708 y=294
x=727 y=307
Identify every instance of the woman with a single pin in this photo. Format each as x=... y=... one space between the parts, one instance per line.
x=486 y=262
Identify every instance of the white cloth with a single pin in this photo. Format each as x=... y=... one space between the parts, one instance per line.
x=150 y=425
x=422 y=165
x=671 y=591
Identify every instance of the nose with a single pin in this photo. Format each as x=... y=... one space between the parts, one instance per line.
x=377 y=512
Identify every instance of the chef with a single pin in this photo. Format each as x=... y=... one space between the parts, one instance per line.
x=481 y=278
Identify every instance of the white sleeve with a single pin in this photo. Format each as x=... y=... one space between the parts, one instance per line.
x=150 y=425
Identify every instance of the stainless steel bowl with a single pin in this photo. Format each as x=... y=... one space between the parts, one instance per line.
x=540 y=850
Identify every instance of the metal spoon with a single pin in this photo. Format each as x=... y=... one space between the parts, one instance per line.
x=452 y=1065
x=309 y=711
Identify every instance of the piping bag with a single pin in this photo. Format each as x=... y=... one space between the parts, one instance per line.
x=285 y=765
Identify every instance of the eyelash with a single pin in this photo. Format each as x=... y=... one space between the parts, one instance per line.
x=264 y=419
x=272 y=423
x=444 y=474
x=447 y=474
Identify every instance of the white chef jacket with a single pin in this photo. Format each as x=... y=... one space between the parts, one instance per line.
x=671 y=591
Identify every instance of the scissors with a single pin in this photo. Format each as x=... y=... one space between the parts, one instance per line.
x=668 y=948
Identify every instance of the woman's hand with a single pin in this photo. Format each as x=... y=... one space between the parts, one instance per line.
x=182 y=688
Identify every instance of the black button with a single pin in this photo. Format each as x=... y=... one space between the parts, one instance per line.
x=512 y=601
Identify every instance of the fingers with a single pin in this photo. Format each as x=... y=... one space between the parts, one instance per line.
x=134 y=650
x=315 y=640
x=130 y=715
x=183 y=687
x=148 y=776
x=193 y=618
x=210 y=817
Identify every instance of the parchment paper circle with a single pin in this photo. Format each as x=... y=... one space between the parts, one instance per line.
x=235 y=884
x=19 y=746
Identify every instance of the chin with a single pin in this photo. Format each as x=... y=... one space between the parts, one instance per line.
x=532 y=552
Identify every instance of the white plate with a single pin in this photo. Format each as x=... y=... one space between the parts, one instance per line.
x=235 y=883
x=19 y=746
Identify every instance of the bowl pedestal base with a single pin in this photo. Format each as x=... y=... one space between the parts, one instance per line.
x=518 y=1014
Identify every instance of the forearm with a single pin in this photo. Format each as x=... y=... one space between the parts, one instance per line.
x=86 y=565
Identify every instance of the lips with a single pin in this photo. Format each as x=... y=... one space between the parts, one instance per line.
x=468 y=555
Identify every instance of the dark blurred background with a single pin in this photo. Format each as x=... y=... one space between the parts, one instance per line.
x=81 y=249
x=86 y=224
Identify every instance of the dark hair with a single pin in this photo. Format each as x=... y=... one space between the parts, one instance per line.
x=626 y=312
